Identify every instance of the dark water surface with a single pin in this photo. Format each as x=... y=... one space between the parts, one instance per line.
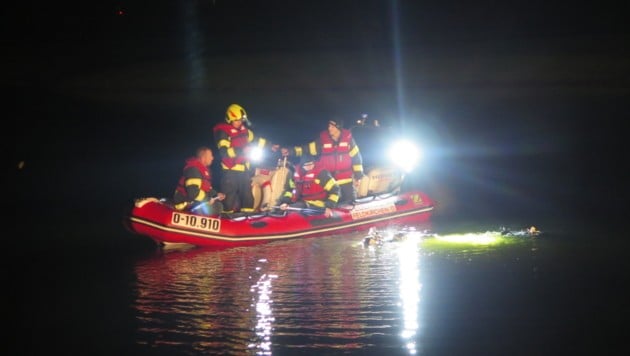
x=84 y=285
x=513 y=138
x=467 y=290
x=78 y=283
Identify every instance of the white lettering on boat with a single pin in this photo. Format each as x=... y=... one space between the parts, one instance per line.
x=363 y=212
x=196 y=222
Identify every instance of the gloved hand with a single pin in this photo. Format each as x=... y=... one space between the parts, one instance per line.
x=359 y=175
x=284 y=200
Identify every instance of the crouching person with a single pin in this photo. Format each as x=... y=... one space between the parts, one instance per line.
x=315 y=188
x=194 y=190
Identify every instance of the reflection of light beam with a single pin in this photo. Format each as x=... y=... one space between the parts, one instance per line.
x=398 y=65
x=485 y=238
x=193 y=40
x=409 y=289
x=472 y=241
x=264 y=314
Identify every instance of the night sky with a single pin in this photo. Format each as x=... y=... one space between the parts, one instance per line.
x=515 y=103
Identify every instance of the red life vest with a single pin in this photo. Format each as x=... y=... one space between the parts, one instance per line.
x=335 y=156
x=206 y=180
x=239 y=138
x=307 y=186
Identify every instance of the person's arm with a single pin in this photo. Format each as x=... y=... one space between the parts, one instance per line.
x=213 y=194
x=331 y=187
x=357 y=160
x=287 y=194
x=193 y=179
x=224 y=144
x=261 y=142
x=312 y=148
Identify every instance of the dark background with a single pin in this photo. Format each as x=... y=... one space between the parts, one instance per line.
x=519 y=106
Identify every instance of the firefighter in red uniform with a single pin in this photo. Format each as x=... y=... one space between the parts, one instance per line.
x=195 y=185
x=315 y=187
x=339 y=154
x=234 y=140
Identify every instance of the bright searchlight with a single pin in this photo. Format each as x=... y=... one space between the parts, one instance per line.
x=405 y=155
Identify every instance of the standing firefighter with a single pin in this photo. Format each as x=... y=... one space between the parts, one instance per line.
x=234 y=141
x=339 y=154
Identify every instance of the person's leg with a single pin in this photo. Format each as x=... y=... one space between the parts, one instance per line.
x=217 y=208
x=229 y=187
x=347 y=193
x=299 y=204
x=245 y=192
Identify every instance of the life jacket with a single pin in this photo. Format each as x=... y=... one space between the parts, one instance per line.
x=206 y=180
x=307 y=184
x=239 y=138
x=335 y=156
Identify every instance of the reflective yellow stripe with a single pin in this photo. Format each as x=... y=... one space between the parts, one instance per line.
x=193 y=181
x=231 y=153
x=312 y=148
x=224 y=143
x=316 y=203
x=353 y=152
x=344 y=181
x=238 y=167
x=328 y=186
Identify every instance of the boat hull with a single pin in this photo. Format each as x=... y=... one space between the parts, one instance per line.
x=159 y=221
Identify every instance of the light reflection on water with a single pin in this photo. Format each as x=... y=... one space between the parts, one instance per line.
x=322 y=295
x=410 y=288
x=263 y=302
